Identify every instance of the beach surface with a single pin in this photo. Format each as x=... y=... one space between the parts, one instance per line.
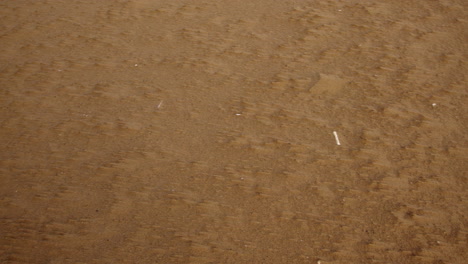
x=150 y=131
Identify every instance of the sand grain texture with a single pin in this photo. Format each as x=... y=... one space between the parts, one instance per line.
x=138 y=131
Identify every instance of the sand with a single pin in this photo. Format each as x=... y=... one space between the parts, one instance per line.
x=150 y=131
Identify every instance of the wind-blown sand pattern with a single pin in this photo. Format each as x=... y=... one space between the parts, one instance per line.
x=150 y=131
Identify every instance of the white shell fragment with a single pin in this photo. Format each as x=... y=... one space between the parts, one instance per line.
x=336 y=138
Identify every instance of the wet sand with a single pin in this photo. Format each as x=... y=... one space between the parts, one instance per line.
x=146 y=131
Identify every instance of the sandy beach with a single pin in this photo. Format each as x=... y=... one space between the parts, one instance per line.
x=151 y=131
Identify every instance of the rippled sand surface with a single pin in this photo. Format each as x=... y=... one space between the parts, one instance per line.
x=150 y=131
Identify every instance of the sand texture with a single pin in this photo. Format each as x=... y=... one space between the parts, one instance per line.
x=151 y=131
